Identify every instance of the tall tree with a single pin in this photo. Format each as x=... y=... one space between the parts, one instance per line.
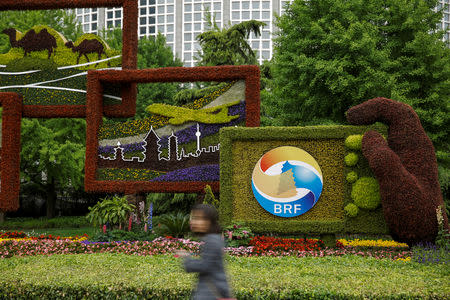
x=229 y=45
x=332 y=54
x=52 y=156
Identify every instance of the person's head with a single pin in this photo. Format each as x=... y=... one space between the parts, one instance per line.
x=204 y=219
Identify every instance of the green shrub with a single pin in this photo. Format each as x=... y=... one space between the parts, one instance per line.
x=30 y=63
x=164 y=203
x=351 y=159
x=113 y=210
x=176 y=225
x=354 y=141
x=351 y=210
x=43 y=223
x=237 y=235
x=188 y=95
x=120 y=276
x=366 y=193
x=351 y=177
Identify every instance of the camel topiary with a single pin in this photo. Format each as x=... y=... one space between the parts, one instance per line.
x=86 y=47
x=406 y=168
x=32 y=41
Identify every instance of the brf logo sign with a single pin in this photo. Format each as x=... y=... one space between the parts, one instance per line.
x=287 y=181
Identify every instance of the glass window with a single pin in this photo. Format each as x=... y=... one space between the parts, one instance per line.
x=151 y=20
x=246 y=15
x=266 y=45
x=143 y=11
x=235 y=5
x=217 y=6
x=266 y=15
x=161 y=28
x=160 y=19
x=256 y=15
x=266 y=5
x=161 y=9
x=94 y=17
x=196 y=35
x=265 y=54
x=255 y=44
x=169 y=18
x=197 y=7
x=151 y=10
x=94 y=26
x=169 y=37
x=187 y=46
x=197 y=26
x=188 y=36
x=197 y=17
x=169 y=9
x=117 y=23
x=86 y=18
x=266 y=35
x=187 y=56
x=169 y=1
x=235 y=15
x=151 y=29
x=218 y=16
x=143 y=2
x=86 y=27
x=207 y=6
x=109 y=24
x=118 y=13
x=160 y=1
x=187 y=26
x=197 y=46
x=151 y=2
x=169 y=28
x=188 y=17
x=80 y=19
x=255 y=4
x=94 y=9
x=143 y=30
x=143 y=20
x=86 y=10
x=188 y=7
x=79 y=11
x=110 y=14
x=245 y=4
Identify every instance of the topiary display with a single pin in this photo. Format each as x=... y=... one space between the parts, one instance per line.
x=405 y=167
x=366 y=193
x=351 y=210
x=354 y=141
x=351 y=159
x=351 y=177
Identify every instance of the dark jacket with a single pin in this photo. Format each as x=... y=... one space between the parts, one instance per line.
x=210 y=269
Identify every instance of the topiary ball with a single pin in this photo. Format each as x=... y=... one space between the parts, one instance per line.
x=351 y=159
x=354 y=142
x=351 y=210
x=351 y=177
x=366 y=193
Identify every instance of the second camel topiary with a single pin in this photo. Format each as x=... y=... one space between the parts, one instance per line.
x=405 y=167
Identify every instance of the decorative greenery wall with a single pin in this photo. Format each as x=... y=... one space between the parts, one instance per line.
x=241 y=148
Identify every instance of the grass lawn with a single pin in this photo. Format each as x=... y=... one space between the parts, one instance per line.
x=272 y=277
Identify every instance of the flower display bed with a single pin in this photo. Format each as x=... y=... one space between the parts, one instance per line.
x=113 y=276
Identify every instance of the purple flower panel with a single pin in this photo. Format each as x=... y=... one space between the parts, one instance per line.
x=197 y=173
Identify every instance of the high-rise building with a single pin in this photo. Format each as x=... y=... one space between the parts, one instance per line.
x=181 y=21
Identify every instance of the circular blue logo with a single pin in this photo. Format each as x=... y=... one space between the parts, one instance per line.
x=287 y=181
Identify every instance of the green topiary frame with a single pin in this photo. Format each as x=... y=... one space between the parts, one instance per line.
x=241 y=148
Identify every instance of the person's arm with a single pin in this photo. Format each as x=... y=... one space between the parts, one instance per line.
x=209 y=257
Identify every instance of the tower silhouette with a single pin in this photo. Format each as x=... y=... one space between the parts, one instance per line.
x=173 y=147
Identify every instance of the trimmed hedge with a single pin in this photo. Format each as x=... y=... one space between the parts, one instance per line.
x=40 y=223
x=241 y=148
x=119 y=276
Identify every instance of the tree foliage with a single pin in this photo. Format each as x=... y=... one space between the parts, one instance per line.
x=60 y=20
x=332 y=54
x=228 y=46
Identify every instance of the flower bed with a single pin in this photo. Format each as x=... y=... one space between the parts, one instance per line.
x=261 y=246
x=22 y=236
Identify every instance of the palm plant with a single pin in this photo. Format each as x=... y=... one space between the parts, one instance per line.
x=113 y=210
x=176 y=225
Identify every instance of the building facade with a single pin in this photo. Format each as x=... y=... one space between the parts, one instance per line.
x=181 y=21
